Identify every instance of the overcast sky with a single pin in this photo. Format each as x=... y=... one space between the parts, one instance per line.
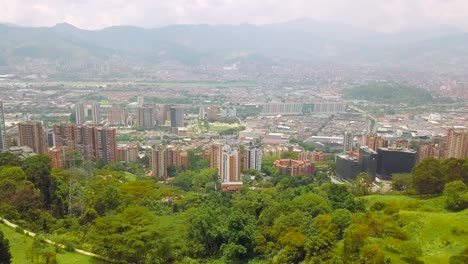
x=382 y=15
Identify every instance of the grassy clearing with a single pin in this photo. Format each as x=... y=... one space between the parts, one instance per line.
x=439 y=233
x=19 y=244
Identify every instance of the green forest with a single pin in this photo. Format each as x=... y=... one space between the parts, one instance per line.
x=388 y=93
x=116 y=212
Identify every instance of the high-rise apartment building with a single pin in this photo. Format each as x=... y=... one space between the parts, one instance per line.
x=374 y=141
x=31 y=134
x=215 y=152
x=177 y=117
x=3 y=139
x=230 y=165
x=96 y=112
x=147 y=116
x=348 y=141
x=117 y=116
x=158 y=162
x=105 y=144
x=456 y=143
x=252 y=157
x=91 y=142
x=79 y=113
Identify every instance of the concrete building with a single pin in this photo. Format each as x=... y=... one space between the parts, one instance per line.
x=294 y=167
x=96 y=112
x=312 y=156
x=105 y=144
x=230 y=165
x=431 y=150
x=117 y=116
x=282 y=109
x=147 y=116
x=456 y=143
x=348 y=142
x=328 y=107
x=252 y=157
x=79 y=114
x=31 y=134
x=91 y=142
x=374 y=141
x=177 y=117
x=158 y=162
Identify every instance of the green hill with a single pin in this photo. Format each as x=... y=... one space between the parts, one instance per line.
x=388 y=93
x=438 y=233
x=19 y=245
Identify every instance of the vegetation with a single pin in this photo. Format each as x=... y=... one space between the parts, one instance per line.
x=5 y=255
x=300 y=219
x=389 y=93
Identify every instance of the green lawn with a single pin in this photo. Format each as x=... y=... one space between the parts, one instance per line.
x=20 y=243
x=440 y=233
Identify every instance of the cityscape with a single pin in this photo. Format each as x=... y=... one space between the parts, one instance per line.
x=254 y=132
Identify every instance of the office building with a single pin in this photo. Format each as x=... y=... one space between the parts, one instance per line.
x=456 y=143
x=147 y=116
x=177 y=117
x=31 y=134
x=348 y=142
x=391 y=161
x=79 y=113
x=252 y=157
x=368 y=161
x=346 y=167
x=3 y=138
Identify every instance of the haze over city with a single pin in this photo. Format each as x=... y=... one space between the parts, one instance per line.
x=385 y=16
x=223 y=131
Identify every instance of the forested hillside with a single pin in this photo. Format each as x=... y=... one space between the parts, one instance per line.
x=125 y=216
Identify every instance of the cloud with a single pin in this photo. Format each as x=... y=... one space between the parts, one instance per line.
x=382 y=15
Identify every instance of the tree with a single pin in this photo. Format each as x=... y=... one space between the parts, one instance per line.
x=5 y=255
x=37 y=168
x=455 y=196
x=402 y=182
x=428 y=177
x=342 y=219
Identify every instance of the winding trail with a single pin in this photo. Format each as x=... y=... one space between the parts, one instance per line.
x=48 y=241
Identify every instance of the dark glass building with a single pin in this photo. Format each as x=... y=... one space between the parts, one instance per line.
x=368 y=161
x=396 y=160
x=347 y=168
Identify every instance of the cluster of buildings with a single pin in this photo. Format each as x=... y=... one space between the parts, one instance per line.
x=381 y=157
x=229 y=160
x=162 y=157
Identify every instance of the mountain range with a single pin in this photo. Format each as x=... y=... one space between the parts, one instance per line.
x=298 y=40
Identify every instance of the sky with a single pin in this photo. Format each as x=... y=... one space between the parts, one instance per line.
x=379 y=15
